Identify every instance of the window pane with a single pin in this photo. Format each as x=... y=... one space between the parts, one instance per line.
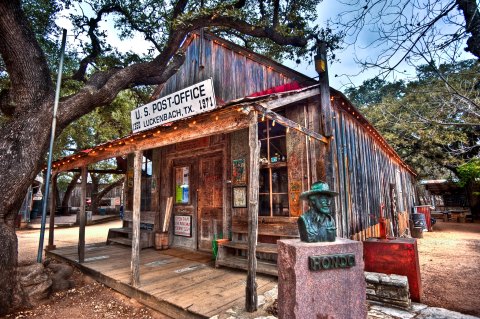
x=277 y=130
x=278 y=150
x=182 y=185
x=264 y=205
x=262 y=130
x=264 y=182
x=263 y=152
x=145 y=198
x=280 y=204
x=279 y=180
x=147 y=163
x=149 y=168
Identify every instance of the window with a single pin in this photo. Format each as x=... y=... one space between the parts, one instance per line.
x=273 y=184
x=146 y=198
x=182 y=185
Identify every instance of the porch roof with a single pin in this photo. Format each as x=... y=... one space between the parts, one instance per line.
x=225 y=118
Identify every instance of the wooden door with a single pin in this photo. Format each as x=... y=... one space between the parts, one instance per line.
x=210 y=200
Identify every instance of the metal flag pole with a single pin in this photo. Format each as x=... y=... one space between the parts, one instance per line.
x=50 y=150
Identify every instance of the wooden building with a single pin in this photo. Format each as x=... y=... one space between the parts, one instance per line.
x=220 y=187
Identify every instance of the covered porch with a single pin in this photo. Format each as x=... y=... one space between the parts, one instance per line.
x=179 y=283
x=197 y=289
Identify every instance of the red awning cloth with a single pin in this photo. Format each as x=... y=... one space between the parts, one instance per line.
x=278 y=89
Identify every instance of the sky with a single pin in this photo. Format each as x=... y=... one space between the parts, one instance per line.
x=343 y=72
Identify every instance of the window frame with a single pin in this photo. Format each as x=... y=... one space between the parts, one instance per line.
x=271 y=167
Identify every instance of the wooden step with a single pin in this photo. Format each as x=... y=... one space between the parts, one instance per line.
x=261 y=247
x=123 y=230
x=241 y=263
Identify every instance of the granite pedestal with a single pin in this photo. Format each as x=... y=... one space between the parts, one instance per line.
x=335 y=289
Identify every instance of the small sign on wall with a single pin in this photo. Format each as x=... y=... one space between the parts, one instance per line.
x=239 y=197
x=183 y=225
x=239 y=173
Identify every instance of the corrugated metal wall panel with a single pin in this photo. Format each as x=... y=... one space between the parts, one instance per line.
x=363 y=174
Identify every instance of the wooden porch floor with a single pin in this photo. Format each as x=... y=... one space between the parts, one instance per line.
x=179 y=283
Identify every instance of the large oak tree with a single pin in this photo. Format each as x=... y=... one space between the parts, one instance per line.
x=100 y=73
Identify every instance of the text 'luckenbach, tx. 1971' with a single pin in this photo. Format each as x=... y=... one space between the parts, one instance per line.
x=325 y=262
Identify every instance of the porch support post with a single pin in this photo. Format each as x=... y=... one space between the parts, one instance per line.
x=53 y=208
x=83 y=216
x=137 y=187
x=251 y=289
x=326 y=108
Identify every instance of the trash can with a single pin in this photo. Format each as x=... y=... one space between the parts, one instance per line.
x=417 y=232
x=419 y=221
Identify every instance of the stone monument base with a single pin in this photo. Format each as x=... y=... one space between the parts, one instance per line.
x=321 y=280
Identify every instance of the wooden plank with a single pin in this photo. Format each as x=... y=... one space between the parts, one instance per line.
x=264 y=285
x=137 y=188
x=251 y=289
x=269 y=227
x=168 y=213
x=325 y=93
x=171 y=284
x=289 y=99
x=288 y=123
x=261 y=247
x=145 y=216
x=313 y=153
x=241 y=263
x=83 y=216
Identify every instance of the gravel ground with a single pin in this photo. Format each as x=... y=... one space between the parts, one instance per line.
x=449 y=265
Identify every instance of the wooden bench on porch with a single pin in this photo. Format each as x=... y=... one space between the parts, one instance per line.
x=233 y=253
x=123 y=235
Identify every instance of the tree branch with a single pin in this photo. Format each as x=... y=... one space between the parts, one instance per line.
x=179 y=8
x=20 y=50
x=79 y=75
x=104 y=191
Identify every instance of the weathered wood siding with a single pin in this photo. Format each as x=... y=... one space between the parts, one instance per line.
x=367 y=174
x=236 y=72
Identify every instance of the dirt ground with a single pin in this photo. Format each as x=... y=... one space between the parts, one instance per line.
x=450 y=267
x=89 y=299
x=449 y=261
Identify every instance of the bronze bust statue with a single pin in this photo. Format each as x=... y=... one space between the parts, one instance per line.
x=317 y=224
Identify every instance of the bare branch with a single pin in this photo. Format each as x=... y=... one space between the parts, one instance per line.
x=79 y=75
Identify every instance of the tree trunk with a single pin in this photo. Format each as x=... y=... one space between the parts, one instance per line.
x=98 y=197
x=70 y=188
x=93 y=195
x=11 y=293
x=472 y=25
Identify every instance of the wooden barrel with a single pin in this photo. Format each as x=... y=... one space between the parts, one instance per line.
x=161 y=240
